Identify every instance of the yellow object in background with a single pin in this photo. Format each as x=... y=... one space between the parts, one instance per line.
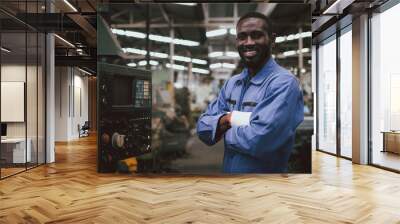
x=128 y=165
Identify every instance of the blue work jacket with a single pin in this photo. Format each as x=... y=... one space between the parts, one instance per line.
x=275 y=99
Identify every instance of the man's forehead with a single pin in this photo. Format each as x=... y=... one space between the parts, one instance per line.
x=251 y=23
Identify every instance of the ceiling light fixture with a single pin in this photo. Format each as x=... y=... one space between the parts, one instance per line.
x=70 y=5
x=175 y=66
x=228 y=65
x=216 y=65
x=64 y=40
x=152 y=62
x=201 y=71
x=187 y=4
x=132 y=64
x=293 y=52
x=183 y=68
x=181 y=58
x=199 y=61
x=86 y=72
x=289 y=53
x=189 y=43
x=232 y=54
x=222 y=65
x=293 y=37
x=333 y=8
x=159 y=55
x=163 y=55
x=215 y=54
x=215 y=33
x=154 y=37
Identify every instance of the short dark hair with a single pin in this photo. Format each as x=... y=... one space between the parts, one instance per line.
x=268 y=23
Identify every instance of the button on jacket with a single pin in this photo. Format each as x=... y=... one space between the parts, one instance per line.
x=275 y=100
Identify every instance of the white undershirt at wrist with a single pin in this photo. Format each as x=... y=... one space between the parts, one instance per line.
x=239 y=118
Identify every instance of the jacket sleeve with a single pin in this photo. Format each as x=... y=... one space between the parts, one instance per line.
x=272 y=123
x=208 y=121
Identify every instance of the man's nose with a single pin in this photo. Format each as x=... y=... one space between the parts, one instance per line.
x=249 y=41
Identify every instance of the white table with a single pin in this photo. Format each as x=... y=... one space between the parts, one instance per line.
x=18 y=149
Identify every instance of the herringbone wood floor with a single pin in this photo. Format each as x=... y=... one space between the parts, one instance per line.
x=70 y=191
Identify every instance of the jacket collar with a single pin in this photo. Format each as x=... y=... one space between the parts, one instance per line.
x=261 y=75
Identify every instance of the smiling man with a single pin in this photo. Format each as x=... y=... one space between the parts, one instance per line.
x=257 y=111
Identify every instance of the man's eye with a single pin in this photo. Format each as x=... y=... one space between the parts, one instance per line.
x=241 y=36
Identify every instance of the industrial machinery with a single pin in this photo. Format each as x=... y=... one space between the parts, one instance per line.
x=124 y=114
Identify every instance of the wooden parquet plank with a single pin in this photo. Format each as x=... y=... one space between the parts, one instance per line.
x=71 y=191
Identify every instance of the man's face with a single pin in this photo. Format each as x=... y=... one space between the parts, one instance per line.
x=252 y=42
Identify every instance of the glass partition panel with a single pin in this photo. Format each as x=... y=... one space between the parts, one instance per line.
x=327 y=95
x=346 y=93
x=31 y=98
x=385 y=85
x=13 y=94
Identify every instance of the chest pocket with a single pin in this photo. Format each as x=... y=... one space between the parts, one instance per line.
x=249 y=106
x=253 y=95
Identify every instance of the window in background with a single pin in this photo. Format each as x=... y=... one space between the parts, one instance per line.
x=346 y=92
x=327 y=95
x=385 y=84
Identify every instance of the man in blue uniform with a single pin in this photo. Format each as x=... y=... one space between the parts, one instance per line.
x=258 y=110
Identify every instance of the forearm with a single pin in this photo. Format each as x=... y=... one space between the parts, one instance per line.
x=223 y=126
x=208 y=127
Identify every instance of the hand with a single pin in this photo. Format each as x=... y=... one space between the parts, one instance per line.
x=225 y=121
x=224 y=124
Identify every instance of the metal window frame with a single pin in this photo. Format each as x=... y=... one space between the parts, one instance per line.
x=338 y=29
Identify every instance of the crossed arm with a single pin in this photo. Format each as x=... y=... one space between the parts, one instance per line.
x=272 y=122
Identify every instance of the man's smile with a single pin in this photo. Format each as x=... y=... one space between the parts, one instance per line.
x=250 y=53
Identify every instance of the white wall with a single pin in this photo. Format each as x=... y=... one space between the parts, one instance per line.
x=70 y=83
x=16 y=73
x=33 y=127
x=62 y=80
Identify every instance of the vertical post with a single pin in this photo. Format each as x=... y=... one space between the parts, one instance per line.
x=190 y=75
x=171 y=60
x=360 y=89
x=301 y=58
x=147 y=36
x=50 y=92
x=314 y=94
x=235 y=13
x=338 y=98
x=26 y=87
x=37 y=88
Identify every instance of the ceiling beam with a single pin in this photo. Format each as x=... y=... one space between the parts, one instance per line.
x=188 y=25
x=164 y=13
x=175 y=25
x=118 y=14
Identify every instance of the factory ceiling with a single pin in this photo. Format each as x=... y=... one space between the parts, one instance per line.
x=75 y=23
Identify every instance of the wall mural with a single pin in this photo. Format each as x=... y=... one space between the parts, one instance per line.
x=156 y=131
